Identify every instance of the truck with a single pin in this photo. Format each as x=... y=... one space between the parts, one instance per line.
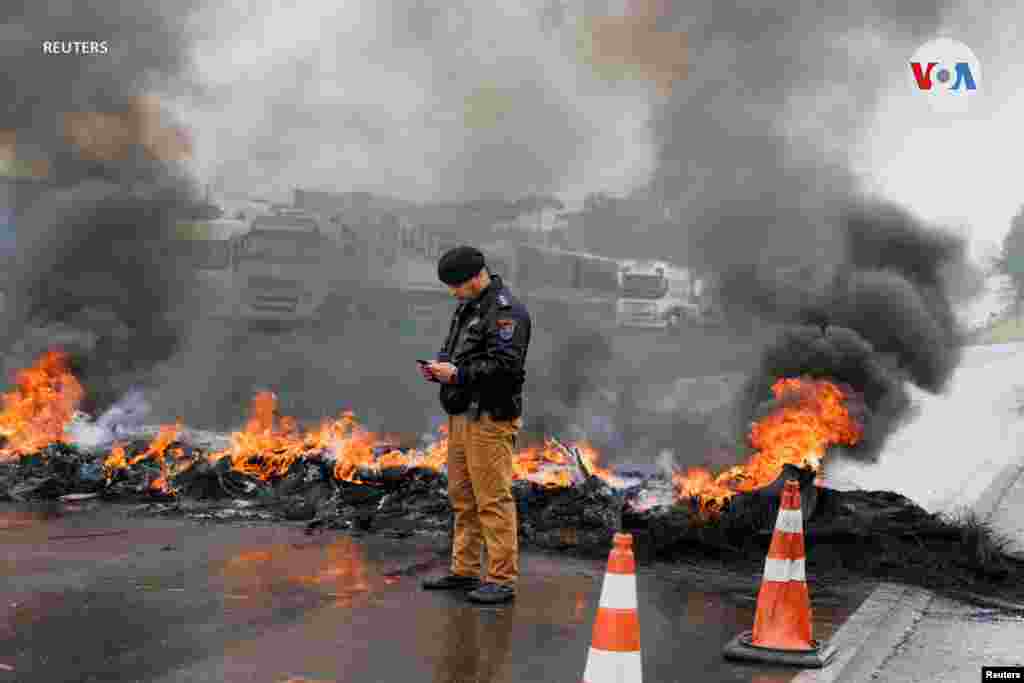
x=297 y=265
x=406 y=298
x=657 y=295
x=277 y=268
x=382 y=272
x=281 y=268
x=560 y=287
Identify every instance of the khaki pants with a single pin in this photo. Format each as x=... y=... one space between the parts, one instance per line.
x=480 y=457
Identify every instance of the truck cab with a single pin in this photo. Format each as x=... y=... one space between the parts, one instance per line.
x=282 y=269
x=655 y=295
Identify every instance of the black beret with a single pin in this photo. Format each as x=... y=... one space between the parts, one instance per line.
x=459 y=265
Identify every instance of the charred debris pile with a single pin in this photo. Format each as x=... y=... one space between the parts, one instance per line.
x=877 y=533
x=341 y=477
x=348 y=482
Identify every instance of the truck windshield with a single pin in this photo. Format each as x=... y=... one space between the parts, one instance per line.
x=285 y=222
x=282 y=247
x=635 y=286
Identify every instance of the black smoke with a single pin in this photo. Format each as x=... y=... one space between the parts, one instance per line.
x=840 y=355
x=897 y=295
x=85 y=233
x=755 y=195
x=755 y=153
x=884 y=320
x=754 y=142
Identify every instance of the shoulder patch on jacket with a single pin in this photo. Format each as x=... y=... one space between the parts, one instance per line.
x=506 y=328
x=504 y=301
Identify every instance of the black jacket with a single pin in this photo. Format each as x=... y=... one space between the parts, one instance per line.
x=487 y=342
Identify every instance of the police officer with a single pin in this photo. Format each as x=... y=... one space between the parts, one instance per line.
x=481 y=371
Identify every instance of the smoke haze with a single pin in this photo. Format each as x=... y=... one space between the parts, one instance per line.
x=97 y=121
x=434 y=101
x=425 y=100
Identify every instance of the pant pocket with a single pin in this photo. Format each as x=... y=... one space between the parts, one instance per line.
x=491 y=426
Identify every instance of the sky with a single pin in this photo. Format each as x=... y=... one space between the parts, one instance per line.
x=957 y=169
x=395 y=108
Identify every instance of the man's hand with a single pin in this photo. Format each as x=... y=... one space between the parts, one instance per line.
x=426 y=373
x=443 y=372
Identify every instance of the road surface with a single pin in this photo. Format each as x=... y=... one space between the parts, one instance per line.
x=94 y=595
x=959 y=442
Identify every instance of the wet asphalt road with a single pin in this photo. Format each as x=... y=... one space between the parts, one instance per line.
x=91 y=594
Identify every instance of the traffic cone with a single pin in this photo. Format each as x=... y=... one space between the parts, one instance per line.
x=615 y=647
x=782 y=624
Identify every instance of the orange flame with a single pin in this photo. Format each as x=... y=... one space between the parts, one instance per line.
x=799 y=433
x=265 y=450
x=553 y=464
x=158 y=447
x=37 y=412
x=536 y=462
x=269 y=445
x=590 y=458
x=118 y=459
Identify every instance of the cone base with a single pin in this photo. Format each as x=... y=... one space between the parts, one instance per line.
x=741 y=648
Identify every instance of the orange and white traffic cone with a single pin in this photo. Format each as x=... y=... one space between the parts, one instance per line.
x=782 y=624
x=783 y=619
x=615 y=648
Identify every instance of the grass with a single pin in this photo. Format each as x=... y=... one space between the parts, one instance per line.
x=1003 y=331
x=957 y=554
x=984 y=547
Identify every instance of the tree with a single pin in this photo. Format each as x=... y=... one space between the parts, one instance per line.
x=1011 y=259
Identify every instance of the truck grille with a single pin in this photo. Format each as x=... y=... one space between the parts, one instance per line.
x=277 y=304
x=269 y=294
x=274 y=283
x=637 y=307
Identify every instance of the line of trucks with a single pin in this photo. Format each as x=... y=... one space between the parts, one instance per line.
x=290 y=266
x=327 y=252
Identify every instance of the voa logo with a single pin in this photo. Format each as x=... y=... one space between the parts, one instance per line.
x=947 y=72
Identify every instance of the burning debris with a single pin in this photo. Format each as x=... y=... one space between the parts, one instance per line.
x=339 y=463
x=809 y=416
x=337 y=474
x=854 y=334
x=340 y=476
x=36 y=413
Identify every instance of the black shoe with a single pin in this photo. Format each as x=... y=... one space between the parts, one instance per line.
x=492 y=594
x=451 y=582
